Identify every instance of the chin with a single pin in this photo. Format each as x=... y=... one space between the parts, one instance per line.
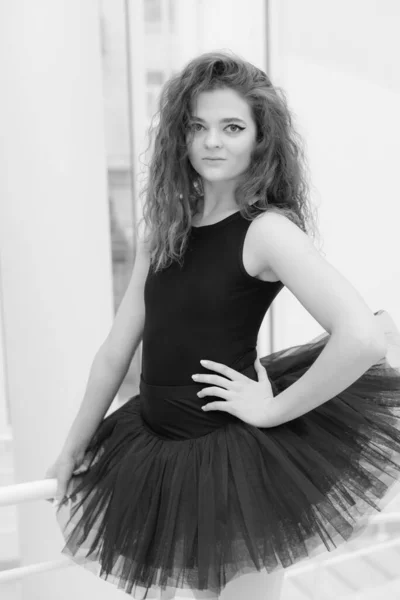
x=213 y=175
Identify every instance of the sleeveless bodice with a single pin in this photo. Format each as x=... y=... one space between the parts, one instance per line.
x=207 y=308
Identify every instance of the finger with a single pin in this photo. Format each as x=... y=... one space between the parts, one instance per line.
x=62 y=487
x=60 y=494
x=214 y=379
x=61 y=497
x=81 y=469
x=224 y=369
x=214 y=391
x=222 y=406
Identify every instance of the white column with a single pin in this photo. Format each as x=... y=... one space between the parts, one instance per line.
x=55 y=249
x=5 y=430
x=137 y=108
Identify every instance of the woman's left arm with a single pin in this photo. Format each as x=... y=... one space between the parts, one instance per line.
x=356 y=340
x=342 y=361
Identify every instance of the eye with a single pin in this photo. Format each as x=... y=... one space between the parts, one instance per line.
x=196 y=126
x=238 y=128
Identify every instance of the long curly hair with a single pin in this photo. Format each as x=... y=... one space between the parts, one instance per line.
x=277 y=173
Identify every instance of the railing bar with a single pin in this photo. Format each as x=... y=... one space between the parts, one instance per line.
x=319 y=562
x=22 y=572
x=378 y=567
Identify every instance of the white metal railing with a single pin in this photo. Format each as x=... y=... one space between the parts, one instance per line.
x=26 y=492
x=46 y=489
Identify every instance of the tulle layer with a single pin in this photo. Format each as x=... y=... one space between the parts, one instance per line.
x=153 y=508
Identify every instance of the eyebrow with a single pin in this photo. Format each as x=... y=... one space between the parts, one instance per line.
x=227 y=120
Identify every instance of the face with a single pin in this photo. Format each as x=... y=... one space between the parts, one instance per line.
x=222 y=135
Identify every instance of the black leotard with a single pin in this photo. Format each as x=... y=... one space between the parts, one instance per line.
x=209 y=308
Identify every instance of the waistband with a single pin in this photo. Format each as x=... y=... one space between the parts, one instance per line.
x=189 y=391
x=174 y=411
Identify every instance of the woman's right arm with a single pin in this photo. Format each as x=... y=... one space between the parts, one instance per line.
x=112 y=360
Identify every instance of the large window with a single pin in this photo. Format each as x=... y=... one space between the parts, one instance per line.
x=127 y=88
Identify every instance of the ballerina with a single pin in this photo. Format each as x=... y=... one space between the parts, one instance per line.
x=227 y=467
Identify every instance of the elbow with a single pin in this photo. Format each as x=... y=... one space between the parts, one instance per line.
x=367 y=336
x=374 y=343
x=370 y=341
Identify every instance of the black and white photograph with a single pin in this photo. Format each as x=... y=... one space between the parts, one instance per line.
x=199 y=300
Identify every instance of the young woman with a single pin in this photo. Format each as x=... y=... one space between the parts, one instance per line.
x=227 y=467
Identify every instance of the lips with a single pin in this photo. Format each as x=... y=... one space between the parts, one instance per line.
x=210 y=158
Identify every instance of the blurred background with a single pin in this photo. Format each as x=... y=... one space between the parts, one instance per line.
x=80 y=83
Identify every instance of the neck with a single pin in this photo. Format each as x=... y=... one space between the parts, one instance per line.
x=218 y=198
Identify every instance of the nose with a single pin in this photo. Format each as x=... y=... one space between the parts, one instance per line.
x=212 y=139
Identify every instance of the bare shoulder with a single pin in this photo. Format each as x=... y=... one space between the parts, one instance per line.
x=276 y=224
x=272 y=237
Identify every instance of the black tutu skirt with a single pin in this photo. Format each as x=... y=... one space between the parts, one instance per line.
x=170 y=496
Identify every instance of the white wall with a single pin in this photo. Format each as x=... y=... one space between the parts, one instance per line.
x=338 y=63
x=233 y=26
